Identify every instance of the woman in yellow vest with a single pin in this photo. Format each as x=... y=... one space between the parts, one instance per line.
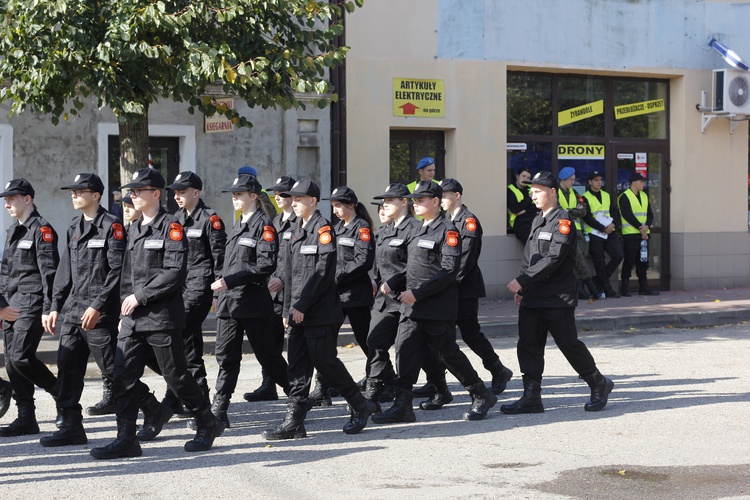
x=521 y=210
x=637 y=219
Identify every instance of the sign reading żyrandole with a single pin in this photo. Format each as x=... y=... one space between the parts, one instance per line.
x=418 y=98
x=580 y=112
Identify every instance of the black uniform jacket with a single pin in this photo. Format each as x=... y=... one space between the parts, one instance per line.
x=431 y=270
x=284 y=232
x=355 y=251
x=470 y=279
x=250 y=259
x=154 y=269
x=30 y=259
x=90 y=266
x=310 y=268
x=390 y=262
x=547 y=278
x=206 y=238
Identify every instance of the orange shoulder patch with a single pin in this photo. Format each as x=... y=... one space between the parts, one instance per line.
x=118 y=232
x=564 y=226
x=216 y=222
x=365 y=234
x=269 y=233
x=175 y=231
x=324 y=229
x=451 y=238
x=325 y=238
x=471 y=224
x=47 y=234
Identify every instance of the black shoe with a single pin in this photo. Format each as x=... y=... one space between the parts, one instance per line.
x=71 y=432
x=266 y=392
x=107 y=404
x=25 y=424
x=530 y=402
x=601 y=387
x=6 y=393
x=401 y=411
x=625 y=292
x=204 y=438
x=647 y=291
x=426 y=391
x=219 y=409
x=155 y=416
x=610 y=293
x=293 y=425
x=441 y=398
x=500 y=378
x=126 y=444
x=358 y=419
x=481 y=402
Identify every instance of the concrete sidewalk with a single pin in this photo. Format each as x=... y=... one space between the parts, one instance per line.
x=498 y=317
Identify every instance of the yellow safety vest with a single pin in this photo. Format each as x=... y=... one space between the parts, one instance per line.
x=571 y=202
x=596 y=207
x=639 y=206
x=413 y=185
x=519 y=199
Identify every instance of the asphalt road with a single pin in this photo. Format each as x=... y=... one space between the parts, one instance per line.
x=676 y=427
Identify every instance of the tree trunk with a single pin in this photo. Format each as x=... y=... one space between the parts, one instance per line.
x=133 y=145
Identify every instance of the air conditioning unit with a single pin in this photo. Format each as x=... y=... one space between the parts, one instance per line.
x=731 y=92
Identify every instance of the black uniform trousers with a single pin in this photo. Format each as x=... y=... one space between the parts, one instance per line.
x=415 y=337
x=134 y=349
x=382 y=336
x=359 y=319
x=72 y=357
x=533 y=326
x=633 y=259
x=24 y=369
x=229 y=337
x=315 y=347
x=192 y=339
x=612 y=246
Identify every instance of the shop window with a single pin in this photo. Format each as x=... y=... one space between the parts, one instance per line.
x=408 y=147
x=580 y=106
x=535 y=156
x=640 y=110
x=529 y=104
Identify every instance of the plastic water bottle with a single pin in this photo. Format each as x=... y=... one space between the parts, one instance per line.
x=644 y=251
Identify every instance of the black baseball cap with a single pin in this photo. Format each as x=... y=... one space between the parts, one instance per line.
x=283 y=183
x=186 y=180
x=636 y=177
x=244 y=182
x=126 y=199
x=594 y=174
x=87 y=180
x=343 y=193
x=451 y=185
x=395 y=190
x=426 y=189
x=544 y=178
x=18 y=186
x=303 y=188
x=146 y=177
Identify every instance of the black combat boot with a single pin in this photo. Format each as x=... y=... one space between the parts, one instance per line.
x=320 y=396
x=219 y=409
x=172 y=402
x=596 y=294
x=125 y=445
x=426 y=391
x=209 y=428
x=266 y=391
x=644 y=289
x=155 y=415
x=625 y=288
x=107 y=404
x=441 y=398
x=6 y=393
x=373 y=392
x=500 y=377
x=361 y=410
x=609 y=292
x=52 y=391
x=388 y=394
x=293 y=425
x=530 y=402
x=401 y=411
x=71 y=432
x=25 y=423
x=600 y=386
x=583 y=294
x=481 y=401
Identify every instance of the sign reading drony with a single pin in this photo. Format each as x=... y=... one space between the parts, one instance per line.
x=418 y=98
x=580 y=152
x=219 y=123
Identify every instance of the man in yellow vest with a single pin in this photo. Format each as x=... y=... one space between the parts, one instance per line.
x=426 y=171
x=521 y=209
x=637 y=218
x=573 y=203
x=602 y=237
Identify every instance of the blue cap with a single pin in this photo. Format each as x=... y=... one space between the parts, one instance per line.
x=425 y=162
x=565 y=173
x=247 y=170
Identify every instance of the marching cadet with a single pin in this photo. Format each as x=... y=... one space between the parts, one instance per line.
x=547 y=294
x=88 y=284
x=7 y=313
x=29 y=262
x=245 y=306
x=355 y=253
x=206 y=241
x=153 y=316
x=390 y=261
x=283 y=223
x=312 y=309
x=429 y=301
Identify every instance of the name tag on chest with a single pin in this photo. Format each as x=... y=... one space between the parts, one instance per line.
x=248 y=242
x=396 y=242
x=287 y=235
x=25 y=244
x=194 y=233
x=308 y=249
x=545 y=236
x=153 y=244
x=95 y=244
x=428 y=244
x=347 y=242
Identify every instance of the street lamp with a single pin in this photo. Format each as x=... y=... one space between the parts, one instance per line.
x=728 y=55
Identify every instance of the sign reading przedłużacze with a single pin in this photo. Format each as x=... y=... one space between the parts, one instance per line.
x=418 y=98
